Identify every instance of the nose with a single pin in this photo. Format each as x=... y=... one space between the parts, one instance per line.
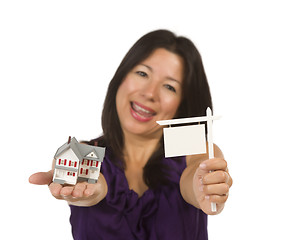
x=150 y=91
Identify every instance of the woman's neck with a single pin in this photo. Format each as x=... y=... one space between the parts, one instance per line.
x=139 y=149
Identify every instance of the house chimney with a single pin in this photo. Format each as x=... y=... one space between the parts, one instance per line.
x=69 y=140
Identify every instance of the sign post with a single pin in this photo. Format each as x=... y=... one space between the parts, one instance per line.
x=177 y=141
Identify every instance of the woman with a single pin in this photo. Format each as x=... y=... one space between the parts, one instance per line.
x=141 y=194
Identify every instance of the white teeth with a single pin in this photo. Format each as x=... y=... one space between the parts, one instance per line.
x=142 y=111
x=138 y=108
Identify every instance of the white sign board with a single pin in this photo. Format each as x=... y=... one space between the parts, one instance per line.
x=186 y=140
x=189 y=140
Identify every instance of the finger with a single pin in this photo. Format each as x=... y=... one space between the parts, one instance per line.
x=91 y=189
x=216 y=177
x=41 y=178
x=79 y=189
x=216 y=189
x=66 y=191
x=214 y=164
x=55 y=189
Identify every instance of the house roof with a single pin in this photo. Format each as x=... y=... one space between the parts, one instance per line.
x=86 y=149
x=82 y=150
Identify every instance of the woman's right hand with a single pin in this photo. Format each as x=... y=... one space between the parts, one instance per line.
x=82 y=194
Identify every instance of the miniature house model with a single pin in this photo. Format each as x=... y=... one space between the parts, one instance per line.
x=77 y=162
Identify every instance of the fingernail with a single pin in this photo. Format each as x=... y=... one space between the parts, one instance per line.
x=201 y=188
x=207 y=197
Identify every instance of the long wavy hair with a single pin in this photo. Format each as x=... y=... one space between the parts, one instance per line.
x=196 y=97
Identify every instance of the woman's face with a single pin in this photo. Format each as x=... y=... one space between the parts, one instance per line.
x=151 y=91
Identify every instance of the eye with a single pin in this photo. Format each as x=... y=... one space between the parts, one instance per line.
x=169 y=87
x=142 y=74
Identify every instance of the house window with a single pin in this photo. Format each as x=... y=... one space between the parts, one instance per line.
x=72 y=164
x=86 y=162
x=95 y=163
x=84 y=171
x=65 y=162
x=72 y=174
x=62 y=161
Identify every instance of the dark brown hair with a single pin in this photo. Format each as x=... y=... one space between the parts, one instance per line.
x=196 y=96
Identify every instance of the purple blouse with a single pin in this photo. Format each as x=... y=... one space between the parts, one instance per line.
x=157 y=214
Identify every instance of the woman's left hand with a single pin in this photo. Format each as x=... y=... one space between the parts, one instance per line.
x=211 y=183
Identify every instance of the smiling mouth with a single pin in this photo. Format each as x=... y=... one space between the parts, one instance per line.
x=143 y=111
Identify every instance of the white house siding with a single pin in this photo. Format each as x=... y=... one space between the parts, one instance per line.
x=94 y=174
x=60 y=174
x=67 y=175
x=69 y=155
x=70 y=178
x=91 y=173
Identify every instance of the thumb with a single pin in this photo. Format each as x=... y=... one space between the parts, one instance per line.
x=41 y=178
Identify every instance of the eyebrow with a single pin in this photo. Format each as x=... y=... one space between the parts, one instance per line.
x=151 y=69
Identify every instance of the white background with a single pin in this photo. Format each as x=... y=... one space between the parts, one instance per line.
x=57 y=58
